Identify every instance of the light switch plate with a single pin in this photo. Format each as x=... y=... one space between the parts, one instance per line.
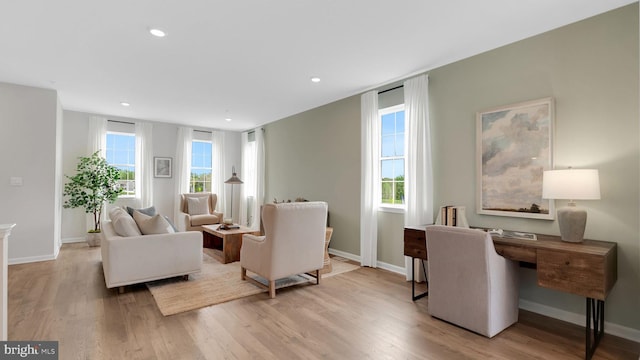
x=15 y=181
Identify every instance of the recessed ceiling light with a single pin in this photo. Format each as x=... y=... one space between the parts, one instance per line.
x=228 y=119
x=315 y=79
x=124 y=103
x=157 y=32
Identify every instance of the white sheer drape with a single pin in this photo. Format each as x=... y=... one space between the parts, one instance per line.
x=97 y=142
x=144 y=163
x=183 y=166
x=97 y=135
x=252 y=193
x=418 y=181
x=217 y=187
x=370 y=178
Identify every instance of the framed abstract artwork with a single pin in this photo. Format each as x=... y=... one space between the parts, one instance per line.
x=162 y=167
x=514 y=146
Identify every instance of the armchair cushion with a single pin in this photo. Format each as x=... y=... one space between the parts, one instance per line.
x=207 y=219
x=198 y=206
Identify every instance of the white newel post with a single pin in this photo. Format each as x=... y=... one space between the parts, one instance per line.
x=5 y=230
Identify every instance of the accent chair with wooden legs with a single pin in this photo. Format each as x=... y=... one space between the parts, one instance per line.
x=293 y=243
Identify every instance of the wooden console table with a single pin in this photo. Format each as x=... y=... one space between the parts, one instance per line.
x=588 y=269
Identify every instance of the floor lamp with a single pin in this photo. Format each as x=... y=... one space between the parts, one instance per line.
x=232 y=180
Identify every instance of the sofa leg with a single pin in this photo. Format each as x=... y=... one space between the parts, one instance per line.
x=243 y=274
x=272 y=289
x=120 y=289
x=185 y=277
x=318 y=275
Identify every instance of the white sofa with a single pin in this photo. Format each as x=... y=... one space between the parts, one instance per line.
x=137 y=259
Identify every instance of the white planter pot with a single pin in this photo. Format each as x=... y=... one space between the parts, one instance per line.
x=93 y=239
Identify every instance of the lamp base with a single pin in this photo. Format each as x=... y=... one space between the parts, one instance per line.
x=572 y=221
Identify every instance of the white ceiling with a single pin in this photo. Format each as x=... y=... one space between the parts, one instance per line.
x=250 y=60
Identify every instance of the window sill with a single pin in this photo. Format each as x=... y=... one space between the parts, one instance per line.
x=391 y=209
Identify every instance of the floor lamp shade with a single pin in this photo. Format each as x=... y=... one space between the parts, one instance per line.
x=232 y=180
x=571 y=184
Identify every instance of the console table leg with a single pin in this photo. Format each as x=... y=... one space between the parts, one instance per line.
x=413 y=282
x=595 y=312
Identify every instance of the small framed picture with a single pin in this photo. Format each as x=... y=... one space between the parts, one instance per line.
x=162 y=167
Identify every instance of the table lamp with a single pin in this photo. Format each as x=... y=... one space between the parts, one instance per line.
x=232 y=180
x=571 y=184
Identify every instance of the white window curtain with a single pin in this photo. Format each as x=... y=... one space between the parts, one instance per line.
x=418 y=181
x=97 y=142
x=182 y=165
x=370 y=178
x=252 y=191
x=218 y=166
x=97 y=135
x=144 y=163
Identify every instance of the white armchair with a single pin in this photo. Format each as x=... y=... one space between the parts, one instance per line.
x=470 y=285
x=293 y=242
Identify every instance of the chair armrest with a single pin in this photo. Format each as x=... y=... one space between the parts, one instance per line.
x=253 y=238
x=183 y=222
x=219 y=215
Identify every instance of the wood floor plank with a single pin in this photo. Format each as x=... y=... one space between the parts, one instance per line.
x=367 y=313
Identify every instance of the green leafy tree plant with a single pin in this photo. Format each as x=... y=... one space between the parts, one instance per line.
x=95 y=183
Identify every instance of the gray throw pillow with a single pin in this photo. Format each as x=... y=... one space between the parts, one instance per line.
x=151 y=210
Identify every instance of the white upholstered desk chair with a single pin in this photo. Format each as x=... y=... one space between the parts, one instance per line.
x=470 y=285
x=293 y=242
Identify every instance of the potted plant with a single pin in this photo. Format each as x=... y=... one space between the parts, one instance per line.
x=95 y=183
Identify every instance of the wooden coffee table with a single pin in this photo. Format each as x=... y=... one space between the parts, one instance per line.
x=226 y=242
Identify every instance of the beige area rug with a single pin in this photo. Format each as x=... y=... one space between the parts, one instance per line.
x=218 y=283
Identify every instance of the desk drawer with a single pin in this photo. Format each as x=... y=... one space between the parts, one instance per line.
x=517 y=253
x=576 y=273
x=415 y=243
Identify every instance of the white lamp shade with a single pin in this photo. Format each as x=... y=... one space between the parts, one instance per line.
x=571 y=184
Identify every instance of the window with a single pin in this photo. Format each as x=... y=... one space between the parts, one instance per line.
x=200 y=166
x=121 y=153
x=392 y=155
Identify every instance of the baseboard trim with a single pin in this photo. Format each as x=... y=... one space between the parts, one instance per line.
x=31 y=259
x=579 y=319
x=570 y=317
x=345 y=255
x=74 y=240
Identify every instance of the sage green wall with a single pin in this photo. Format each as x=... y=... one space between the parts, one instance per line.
x=316 y=155
x=590 y=68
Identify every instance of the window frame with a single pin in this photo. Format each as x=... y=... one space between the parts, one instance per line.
x=192 y=168
x=133 y=135
x=386 y=207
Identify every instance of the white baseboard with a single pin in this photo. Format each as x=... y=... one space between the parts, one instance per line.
x=74 y=240
x=345 y=255
x=31 y=259
x=579 y=319
x=570 y=317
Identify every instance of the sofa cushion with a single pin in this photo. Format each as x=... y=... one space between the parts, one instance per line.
x=123 y=224
x=198 y=205
x=197 y=220
x=152 y=224
x=151 y=210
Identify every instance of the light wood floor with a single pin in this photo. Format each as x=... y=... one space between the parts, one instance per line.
x=364 y=314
